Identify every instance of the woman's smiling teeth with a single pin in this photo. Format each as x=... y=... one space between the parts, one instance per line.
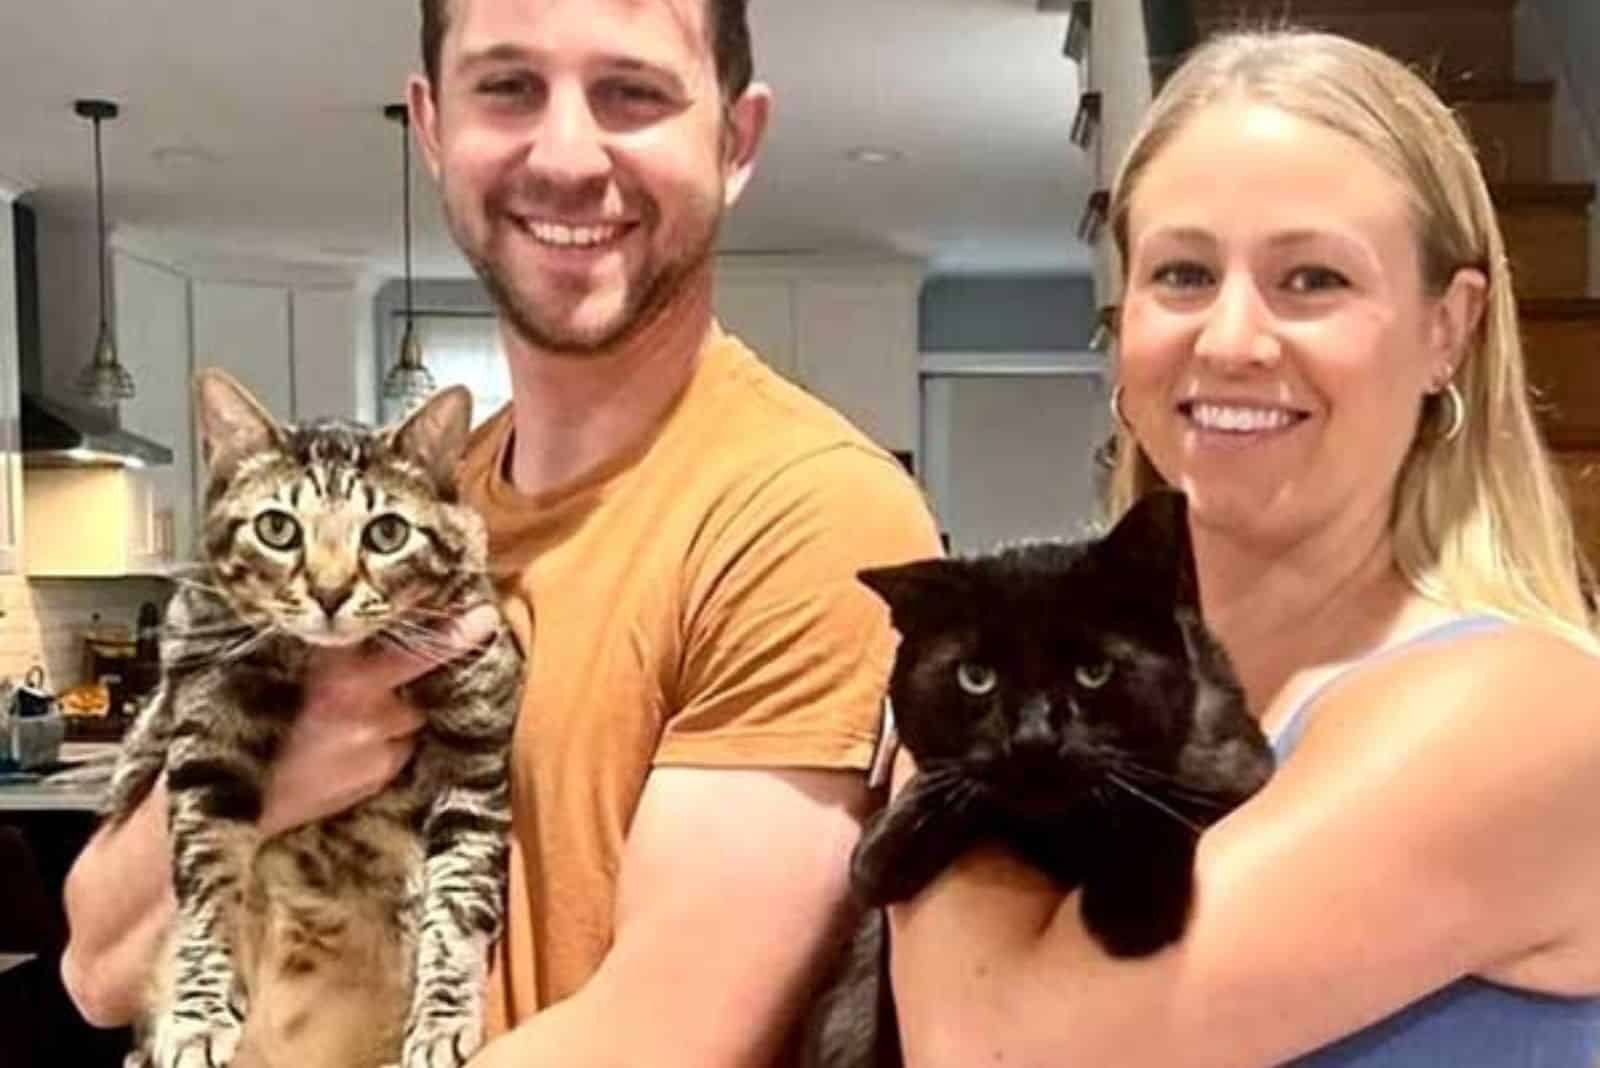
x=560 y=235
x=1239 y=418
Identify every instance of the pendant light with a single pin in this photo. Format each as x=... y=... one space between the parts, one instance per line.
x=408 y=381
x=104 y=381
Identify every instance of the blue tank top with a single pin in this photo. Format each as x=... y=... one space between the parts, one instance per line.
x=1471 y=1023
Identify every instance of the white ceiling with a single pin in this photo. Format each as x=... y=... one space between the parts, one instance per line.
x=273 y=110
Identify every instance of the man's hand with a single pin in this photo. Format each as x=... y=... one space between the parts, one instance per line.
x=354 y=732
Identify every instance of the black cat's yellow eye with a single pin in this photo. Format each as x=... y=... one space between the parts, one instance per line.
x=278 y=529
x=386 y=534
x=1093 y=676
x=979 y=680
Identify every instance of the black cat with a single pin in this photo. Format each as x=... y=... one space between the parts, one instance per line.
x=1063 y=699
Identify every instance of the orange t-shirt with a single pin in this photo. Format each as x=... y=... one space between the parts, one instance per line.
x=692 y=602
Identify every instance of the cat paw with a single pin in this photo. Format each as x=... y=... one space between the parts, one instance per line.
x=193 y=1044
x=441 y=1044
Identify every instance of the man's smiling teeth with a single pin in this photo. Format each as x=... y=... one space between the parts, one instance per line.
x=1239 y=419
x=572 y=236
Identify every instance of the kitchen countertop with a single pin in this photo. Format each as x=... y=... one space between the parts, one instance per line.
x=43 y=796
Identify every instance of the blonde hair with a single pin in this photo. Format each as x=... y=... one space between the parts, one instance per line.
x=1480 y=522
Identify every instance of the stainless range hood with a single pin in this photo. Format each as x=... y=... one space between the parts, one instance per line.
x=56 y=434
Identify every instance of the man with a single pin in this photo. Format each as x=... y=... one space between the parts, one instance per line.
x=675 y=531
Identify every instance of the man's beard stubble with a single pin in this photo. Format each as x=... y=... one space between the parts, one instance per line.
x=647 y=299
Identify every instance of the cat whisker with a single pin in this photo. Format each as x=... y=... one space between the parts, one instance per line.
x=205 y=633
x=438 y=655
x=1157 y=803
x=1170 y=785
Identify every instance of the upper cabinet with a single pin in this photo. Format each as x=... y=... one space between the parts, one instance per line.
x=244 y=330
x=326 y=338
x=152 y=316
x=845 y=330
x=761 y=312
x=294 y=346
x=10 y=430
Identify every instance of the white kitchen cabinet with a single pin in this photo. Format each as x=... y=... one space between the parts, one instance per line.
x=152 y=324
x=244 y=330
x=856 y=348
x=845 y=330
x=761 y=312
x=324 y=352
x=10 y=430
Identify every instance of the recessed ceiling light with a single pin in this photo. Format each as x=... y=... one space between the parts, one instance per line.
x=185 y=156
x=873 y=155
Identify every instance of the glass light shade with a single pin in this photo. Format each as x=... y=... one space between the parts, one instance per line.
x=105 y=382
x=408 y=381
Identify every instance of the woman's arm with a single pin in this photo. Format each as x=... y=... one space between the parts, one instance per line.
x=1436 y=821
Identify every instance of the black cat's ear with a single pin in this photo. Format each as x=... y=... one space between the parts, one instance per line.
x=233 y=424
x=1152 y=541
x=916 y=593
x=435 y=435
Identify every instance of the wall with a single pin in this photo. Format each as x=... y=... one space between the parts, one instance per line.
x=45 y=619
x=1013 y=406
x=1119 y=69
x=68 y=295
x=1010 y=456
x=1006 y=313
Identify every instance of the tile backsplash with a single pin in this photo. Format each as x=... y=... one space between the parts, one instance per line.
x=45 y=620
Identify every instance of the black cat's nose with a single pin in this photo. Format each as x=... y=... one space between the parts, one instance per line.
x=1035 y=734
x=332 y=597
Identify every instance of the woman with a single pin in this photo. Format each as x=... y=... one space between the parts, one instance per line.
x=1318 y=344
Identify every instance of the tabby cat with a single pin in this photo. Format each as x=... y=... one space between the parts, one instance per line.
x=359 y=940
x=1063 y=699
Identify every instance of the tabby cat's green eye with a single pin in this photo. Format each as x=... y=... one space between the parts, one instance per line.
x=386 y=534
x=979 y=680
x=278 y=530
x=1093 y=676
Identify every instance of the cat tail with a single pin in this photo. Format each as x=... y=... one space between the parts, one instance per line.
x=141 y=760
x=853 y=1023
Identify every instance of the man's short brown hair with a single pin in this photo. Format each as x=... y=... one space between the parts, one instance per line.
x=730 y=42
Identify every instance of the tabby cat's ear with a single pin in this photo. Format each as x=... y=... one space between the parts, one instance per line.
x=435 y=435
x=233 y=424
x=918 y=594
x=1152 y=542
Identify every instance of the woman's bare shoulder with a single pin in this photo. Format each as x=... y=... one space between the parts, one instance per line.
x=1481 y=754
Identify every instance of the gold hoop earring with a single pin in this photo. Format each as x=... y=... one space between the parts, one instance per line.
x=1450 y=396
x=1116 y=408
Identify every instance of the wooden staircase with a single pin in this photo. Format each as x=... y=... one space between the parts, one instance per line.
x=1467 y=48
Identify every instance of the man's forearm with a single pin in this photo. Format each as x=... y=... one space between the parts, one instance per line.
x=119 y=903
x=580 y=1032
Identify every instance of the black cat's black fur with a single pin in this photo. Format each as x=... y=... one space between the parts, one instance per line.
x=1065 y=700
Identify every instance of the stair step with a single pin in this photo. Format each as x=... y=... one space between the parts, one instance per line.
x=1509 y=123
x=1449 y=38
x=1560 y=309
x=1561 y=343
x=1546 y=227
x=1566 y=197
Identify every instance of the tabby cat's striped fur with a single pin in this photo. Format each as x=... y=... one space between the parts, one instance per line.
x=360 y=940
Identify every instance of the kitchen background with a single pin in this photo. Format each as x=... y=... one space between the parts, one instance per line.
x=921 y=245
x=924 y=246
